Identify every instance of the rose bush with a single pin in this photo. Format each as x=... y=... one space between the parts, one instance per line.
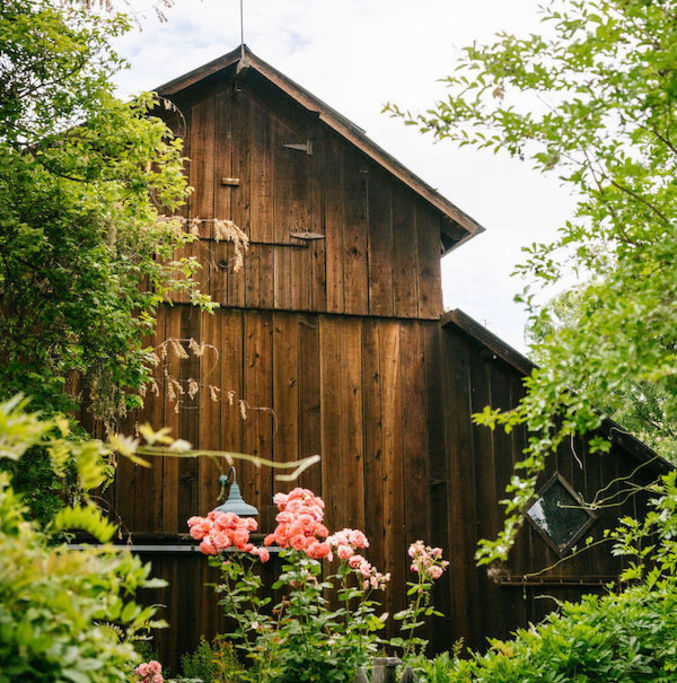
x=308 y=635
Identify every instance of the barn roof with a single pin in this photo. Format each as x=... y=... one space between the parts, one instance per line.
x=459 y=228
x=524 y=366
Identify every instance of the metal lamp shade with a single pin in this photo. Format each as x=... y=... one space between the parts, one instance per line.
x=235 y=502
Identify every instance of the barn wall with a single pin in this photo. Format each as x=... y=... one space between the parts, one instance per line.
x=480 y=465
x=380 y=252
x=363 y=393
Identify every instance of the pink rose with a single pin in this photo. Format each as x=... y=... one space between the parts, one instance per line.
x=345 y=552
x=207 y=547
x=318 y=551
x=435 y=572
x=355 y=561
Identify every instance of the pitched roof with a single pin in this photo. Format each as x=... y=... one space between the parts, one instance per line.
x=461 y=226
x=524 y=366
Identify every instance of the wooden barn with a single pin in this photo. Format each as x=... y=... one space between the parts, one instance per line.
x=331 y=339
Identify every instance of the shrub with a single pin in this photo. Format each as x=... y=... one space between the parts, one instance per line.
x=211 y=663
x=65 y=615
x=306 y=638
x=628 y=637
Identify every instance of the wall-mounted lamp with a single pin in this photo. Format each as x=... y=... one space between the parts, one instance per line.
x=235 y=502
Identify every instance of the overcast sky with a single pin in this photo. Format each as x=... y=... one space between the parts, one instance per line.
x=358 y=54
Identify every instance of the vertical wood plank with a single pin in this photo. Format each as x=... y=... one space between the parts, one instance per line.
x=148 y=512
x=461 y=468
x=332 y=433
x=391 y=421
x=351 y=413
x=310 y=431
x=429 y=261
x=333 y=221
x=232 y=423
x=373 y=448
x=209 y=427
x=258 y=394
x=380 y=244
x=414 y=441
x=170 y=466
x=202 y=148
x=405 y=285
x=485 y=483
x=518 y=563
x=189 y=421
x=317 y=250
x=126 y=485
x=290 y=266
x=414 y=434
x=500 y=380
x=437 y=468
x=285 y=391
x=240 y=105
x=355 y=233
x=223 y=153
x=283 y=168
x=202 y=132
x=184 y=211
x=259 y=270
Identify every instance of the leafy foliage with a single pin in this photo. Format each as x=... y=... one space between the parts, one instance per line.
x=640 y=408
x=628 y=637
x=594 y=99
x=308 y=636
x=86 y=254
x=65 y=614
x=211 y=663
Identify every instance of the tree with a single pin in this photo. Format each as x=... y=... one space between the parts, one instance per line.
x=641 y=409
x=593 y=99
x=86 y=251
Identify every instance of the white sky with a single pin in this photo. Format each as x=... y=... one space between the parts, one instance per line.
x=358 y=54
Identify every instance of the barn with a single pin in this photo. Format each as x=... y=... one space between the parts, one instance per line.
x=331 y=339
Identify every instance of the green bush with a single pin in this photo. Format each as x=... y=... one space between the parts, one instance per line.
x=65 y=614
x=211 y=663
x=630 y=637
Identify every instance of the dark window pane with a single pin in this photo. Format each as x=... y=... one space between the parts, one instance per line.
x=559 y=514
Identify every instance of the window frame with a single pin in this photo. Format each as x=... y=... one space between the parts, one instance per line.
x=561 y=550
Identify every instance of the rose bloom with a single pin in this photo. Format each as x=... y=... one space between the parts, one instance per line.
x=435 y=572
x=317 y=550
x=355 y=561
x=345 y=552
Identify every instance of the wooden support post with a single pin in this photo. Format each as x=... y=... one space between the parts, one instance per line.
x=383 y=669
x=361 y=677
x=408 y=676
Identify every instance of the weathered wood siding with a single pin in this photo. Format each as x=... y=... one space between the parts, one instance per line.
x=364 y=393
x=479 y=466
x=380 y=247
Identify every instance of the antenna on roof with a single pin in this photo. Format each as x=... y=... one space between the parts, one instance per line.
x=242 y=29
x=243 y=63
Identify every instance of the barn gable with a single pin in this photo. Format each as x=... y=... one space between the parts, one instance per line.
x=241 y=64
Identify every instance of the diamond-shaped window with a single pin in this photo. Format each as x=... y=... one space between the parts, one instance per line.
x=559 y=515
